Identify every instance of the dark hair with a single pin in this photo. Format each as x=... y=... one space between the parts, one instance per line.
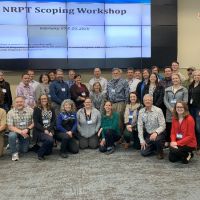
x=52 y=71
x=48 y=102
x=186 y=110
x=77 y=75
x=167 y=67
x=153 y=67
x=23 y=74
x=145 y=69
x=41 y=76
x=100 y=89
x=156 y=79
x=107 y=101
x=129 y=101
x=130 y=69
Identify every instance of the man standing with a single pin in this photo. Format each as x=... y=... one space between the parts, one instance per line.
x=151 y=127
x=118 y=93
x=71 y=75
x=32 y=82
x=59 y=91
x=20 y=122
x=175 y=70
x=26 y=90
x=190 y=79
x=133 y=82
x=5 y=93
x=167 y=81
x=98 y=78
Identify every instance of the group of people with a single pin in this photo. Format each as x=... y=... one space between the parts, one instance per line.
x=147 y=111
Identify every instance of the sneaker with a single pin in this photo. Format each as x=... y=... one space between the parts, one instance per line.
x=188 y=158
x=110 y=150
x=15 y=157
x=63 y=155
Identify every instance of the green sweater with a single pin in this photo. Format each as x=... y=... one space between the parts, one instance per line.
x=110 y=122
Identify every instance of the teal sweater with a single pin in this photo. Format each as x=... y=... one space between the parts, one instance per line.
x=110 y=122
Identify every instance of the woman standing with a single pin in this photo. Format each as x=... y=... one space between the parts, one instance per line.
x=157 y=91
x=79 y=92
x=110 y=131
x=183 y=140
x=174 y=93
x=67 y=128
x=89 y=121
x=97 y=96
x=194 y=103
x=43 y=87
x=44 y=122
x=130 y=120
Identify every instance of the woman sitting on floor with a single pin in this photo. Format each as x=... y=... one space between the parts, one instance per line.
x=44 y=121
x=110 y=131
x=183 y=140
x=67 y=128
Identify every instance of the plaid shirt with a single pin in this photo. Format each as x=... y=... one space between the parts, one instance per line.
x=20 y=119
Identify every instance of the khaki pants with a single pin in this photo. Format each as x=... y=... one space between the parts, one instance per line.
x=120 y=108
x=1 y=144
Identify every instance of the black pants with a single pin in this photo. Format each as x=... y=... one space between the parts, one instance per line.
x=67 y=143
x=153 y=146
x=111 y=137
x=168 y=131
x=47 y=145
x=179 y=154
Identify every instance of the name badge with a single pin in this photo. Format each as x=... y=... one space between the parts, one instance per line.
x=179 y=135
x=191 y=101
x=4 y=90
x=63 y=89
x=173 y=101
x=49 y=95
x=22 y=123
x=89 y=122
x=130 y=116
x=113 y=90
x=45 y=121
x=83 y=94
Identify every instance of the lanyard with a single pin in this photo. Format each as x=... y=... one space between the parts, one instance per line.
x=87 y=117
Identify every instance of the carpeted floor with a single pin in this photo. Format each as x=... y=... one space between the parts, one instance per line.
x=91 y=175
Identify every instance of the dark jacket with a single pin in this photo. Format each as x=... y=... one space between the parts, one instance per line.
x=59 y=91
x=158 y=95
x=77 y=92
x=5 y=87
x=194 y=94
x=39 y=125
x=140 y=90
x=166 y=82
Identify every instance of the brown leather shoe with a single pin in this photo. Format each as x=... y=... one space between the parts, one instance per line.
x=160 y=155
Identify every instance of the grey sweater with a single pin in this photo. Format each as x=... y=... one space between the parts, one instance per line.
x=88 y=129
x=180 y=95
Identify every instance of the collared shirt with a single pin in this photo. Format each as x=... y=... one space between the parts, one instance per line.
x=118 y=90
x=27 y=92
x=70 y=83
x=34 y=84
x=101 y=80
x=133 y=84
x=151 y=121
x=20 y=119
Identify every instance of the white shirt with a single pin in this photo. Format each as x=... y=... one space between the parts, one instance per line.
x=34 y=84
x=133 y=84
x=101 y=80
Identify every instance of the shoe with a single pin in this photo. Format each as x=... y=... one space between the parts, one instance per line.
x=160 y=155
x=15 y=157
x=110 y=150
x=41 y=158
x=126 y=145
x=63 y=155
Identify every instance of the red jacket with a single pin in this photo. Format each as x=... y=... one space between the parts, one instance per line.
x=187 y=129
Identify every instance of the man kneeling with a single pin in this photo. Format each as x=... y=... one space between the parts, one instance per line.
x=151 y=127
x=20 y=122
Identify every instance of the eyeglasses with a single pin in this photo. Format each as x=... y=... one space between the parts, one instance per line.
x=179 y=107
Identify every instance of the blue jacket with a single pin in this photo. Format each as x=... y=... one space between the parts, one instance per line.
x=59 y=91
x=65 y=117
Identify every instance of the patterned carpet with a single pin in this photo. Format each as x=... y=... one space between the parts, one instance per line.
x=91 y=175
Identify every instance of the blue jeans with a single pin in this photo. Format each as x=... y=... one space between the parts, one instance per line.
x=23 y=144
x=195 y=112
